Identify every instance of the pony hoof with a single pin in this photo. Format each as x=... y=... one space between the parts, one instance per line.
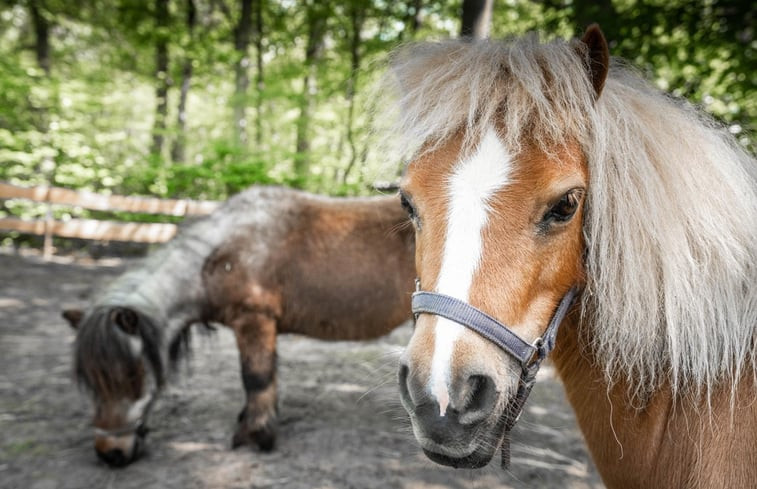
x=265 y=439
x=239 y=439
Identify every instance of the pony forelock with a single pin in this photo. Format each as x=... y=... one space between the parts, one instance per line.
x=671 y=221
x=441 y=88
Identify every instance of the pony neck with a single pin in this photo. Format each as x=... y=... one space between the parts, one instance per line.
x=661 y=442
x=166 y=285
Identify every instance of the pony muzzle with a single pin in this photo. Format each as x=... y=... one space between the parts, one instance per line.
x=475 y=390
x=468 y=433
x=121 y=447
x=454 y=420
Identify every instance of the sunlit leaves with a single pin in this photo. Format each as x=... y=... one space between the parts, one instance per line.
x=92 y=117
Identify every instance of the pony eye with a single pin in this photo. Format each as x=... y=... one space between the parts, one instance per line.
x=126 y=320
x=407 y=206
x=563 y=209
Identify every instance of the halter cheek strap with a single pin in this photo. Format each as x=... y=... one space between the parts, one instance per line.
x=528 y=355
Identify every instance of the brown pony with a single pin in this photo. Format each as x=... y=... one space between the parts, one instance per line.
x=540 y=168
x=268 y=261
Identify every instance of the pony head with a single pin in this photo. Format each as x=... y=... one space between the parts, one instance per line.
x=497 y=200
x=118 y=360
x=535 y=170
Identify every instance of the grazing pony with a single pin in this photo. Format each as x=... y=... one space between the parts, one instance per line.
x=541 y=169
x=268 y=261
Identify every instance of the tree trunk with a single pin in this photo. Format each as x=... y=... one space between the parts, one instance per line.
x=242 y=35
x=412 y=20
x=259 y=80
x=313 y=52
x=417 y=19
x=47 y=166
x=161 y=76
x=177 y=151
x=476 y=19
x=357 y=16
x=41 y=36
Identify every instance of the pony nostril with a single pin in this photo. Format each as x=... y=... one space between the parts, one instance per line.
x=477 y=392
x=480 y=399
x=404 y=391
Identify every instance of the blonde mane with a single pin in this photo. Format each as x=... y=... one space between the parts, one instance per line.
x=671 y=222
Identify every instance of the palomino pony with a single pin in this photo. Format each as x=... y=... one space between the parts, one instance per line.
x=542 y=171
x=268 y=261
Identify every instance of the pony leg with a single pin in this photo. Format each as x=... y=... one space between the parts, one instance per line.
x=256 y=339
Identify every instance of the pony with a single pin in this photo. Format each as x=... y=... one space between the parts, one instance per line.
x=269 y=260
x=540 y=168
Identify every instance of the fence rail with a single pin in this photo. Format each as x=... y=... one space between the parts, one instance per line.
x=99 y=202
x=101 y=230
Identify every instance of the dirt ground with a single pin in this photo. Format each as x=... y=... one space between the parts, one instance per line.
x=341 y=424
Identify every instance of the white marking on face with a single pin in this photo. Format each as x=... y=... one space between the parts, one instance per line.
x=473 y=183
x=135 y=345
x=137 y=409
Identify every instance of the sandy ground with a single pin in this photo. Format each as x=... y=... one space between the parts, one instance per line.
x=341 y=425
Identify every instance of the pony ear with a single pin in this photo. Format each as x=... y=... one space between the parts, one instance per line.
x=598 y=56
x=126 y=320
x=73 y=316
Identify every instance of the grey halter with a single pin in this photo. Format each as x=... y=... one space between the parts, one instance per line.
x=528 y=355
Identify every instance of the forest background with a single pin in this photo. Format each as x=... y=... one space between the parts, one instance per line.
x=201 y=98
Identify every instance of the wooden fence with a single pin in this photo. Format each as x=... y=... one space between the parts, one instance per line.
x=96 y=229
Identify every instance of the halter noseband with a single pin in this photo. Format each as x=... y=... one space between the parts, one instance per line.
x=136 y=428
x=528 y=355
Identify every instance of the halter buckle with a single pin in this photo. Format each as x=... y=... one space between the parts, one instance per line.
x=541 y=351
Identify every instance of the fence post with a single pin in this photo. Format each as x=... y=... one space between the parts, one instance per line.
x=47 y=247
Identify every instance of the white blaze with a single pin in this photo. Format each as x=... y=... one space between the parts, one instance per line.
x=137 y=411
x=473 y=182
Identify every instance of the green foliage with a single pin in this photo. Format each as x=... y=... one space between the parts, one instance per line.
x=701 y=50
x=88 y=123
x=226 y=170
